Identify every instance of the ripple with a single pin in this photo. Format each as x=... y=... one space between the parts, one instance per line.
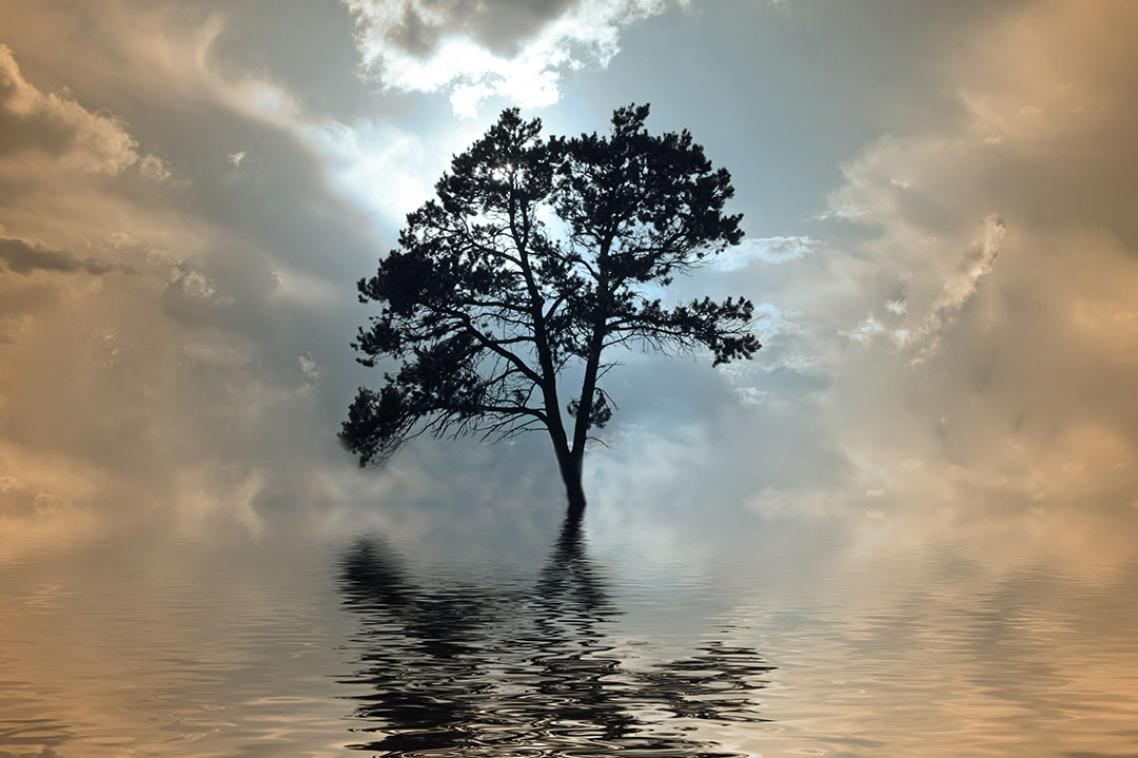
x=321 y=648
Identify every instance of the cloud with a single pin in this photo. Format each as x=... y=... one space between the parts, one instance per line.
x=516 y=50
x=766 y=250
x=385 y=169
x=154 y=168
x=897 y=306
x=192 y=284
x=59 y=127
x=218 y=374
x=501 y=26
x=175 y=385
x=975 y=265
x=864 y=331
x=923 y=336
x=309 y=368
x=21 y=257
x=989 y=346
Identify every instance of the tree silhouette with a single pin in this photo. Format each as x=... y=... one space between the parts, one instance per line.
x=534 y=255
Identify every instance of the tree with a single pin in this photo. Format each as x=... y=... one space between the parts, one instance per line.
x=536 y=254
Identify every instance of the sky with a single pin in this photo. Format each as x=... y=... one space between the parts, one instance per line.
x=941 y=245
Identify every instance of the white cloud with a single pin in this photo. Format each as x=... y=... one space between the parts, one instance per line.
x=770 y=320
x=765 y=249
x=154 y=168
x=974 y=266
x=309 y=368
x=898 y=306
x=865 y=331
x=192 y=283
x=924 y=335
x=468 y=68
x=384 y=169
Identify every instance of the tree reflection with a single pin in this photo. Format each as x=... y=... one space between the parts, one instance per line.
x=525 y=671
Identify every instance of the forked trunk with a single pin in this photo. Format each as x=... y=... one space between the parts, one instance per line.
x=574 y=492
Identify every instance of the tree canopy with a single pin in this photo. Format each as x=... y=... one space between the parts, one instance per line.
x=536 y=253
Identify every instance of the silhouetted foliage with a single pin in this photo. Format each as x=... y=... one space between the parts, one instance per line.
x=536 y=253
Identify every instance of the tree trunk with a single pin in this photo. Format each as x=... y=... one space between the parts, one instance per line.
x=571 y=475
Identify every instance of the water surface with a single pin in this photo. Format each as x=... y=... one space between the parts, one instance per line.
x=772 y=641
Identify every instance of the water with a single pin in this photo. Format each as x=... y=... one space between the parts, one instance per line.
x=760 y=640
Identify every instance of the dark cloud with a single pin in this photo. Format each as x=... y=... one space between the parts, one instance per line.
x=500 y=25
x=22 y=258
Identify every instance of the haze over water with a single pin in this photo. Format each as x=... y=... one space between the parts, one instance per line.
x=791 y=642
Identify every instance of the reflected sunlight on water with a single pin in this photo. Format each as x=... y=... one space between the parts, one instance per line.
x=284 y=646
